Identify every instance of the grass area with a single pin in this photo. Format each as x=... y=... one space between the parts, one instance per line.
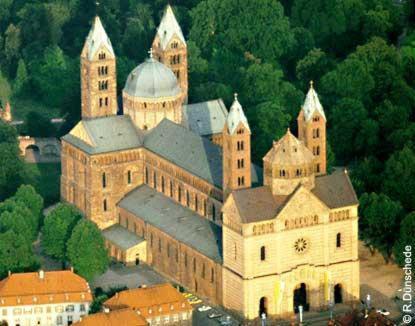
x=45 y=177
x=21 y=107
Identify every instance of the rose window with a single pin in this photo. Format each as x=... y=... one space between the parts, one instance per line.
x=301 y=245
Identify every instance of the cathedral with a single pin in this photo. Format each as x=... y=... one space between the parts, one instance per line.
x=172 y=185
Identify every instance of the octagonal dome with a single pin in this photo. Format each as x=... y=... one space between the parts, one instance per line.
x=152 y=79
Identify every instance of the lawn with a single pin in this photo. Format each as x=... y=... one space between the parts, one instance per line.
x=45 y=177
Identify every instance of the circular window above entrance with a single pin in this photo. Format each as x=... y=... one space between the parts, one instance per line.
x=301 y=245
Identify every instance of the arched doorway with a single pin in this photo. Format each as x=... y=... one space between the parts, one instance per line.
x=300 y=298
x=263 y=306
x=32 y=153
x=137 y=259
x=338 y=294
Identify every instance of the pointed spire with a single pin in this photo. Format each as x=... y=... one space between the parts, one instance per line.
x=312 y=103
x=97 y=37
x=236 y=115
x=168 y=28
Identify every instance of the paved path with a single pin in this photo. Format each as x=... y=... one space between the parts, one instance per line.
x=131 y=277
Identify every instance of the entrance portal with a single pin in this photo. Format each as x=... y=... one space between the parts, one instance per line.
x=263 y=306
x=338 y=293
x=300 y=298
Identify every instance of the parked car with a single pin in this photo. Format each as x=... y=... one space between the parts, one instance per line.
x=204 y=308
x=383 y=312
x=214 y=314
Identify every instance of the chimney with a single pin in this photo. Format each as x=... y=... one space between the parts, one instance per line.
x=106 y=310
x=72 y=269
x=41 y=274
x=10 y=273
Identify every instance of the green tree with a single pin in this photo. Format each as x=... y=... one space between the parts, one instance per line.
x=12 y=42
x=313 y=66
x=11 y=165
x=260 y=28
x=406 y=238
x=399 y=177
x=379 y=222
x=377 y=22
x=38 y=125
x=5 y=89
x=27 y=196
x=57 y=230
x=19 y=209
x=86 y=250
x=17 y=223
x=16 y=254
x=21 y=80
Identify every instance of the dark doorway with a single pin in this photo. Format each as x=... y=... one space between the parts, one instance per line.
x=263 y=306
x=338 y=294
x=300 y=298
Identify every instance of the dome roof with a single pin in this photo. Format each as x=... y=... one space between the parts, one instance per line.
x=152 y=79
x=289 y=151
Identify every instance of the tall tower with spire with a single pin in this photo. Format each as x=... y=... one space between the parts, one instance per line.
x=98 y=74
x=170 y=48
x=236 y=150
x=312 y=129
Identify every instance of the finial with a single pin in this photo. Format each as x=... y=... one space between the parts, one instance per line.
x=235 y=96
x=311 y=84
x=150 y=52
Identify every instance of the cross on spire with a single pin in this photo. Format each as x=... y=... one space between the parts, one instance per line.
x=235 y=96
x=150 y=52
x=311 y=84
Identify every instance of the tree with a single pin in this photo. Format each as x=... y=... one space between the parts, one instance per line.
x=379 y=222
x=16 y=254
x=261 y=28
x=28 y=196
x=57 y=230
x=12 y=42
x=313 y=66
x=406 y=238
x=17 y=223
x=86 y=250
x=377 y=22
x=21 y=211
x=399 y=177
x=11 y=165
x=38 y=125
x=20 y=82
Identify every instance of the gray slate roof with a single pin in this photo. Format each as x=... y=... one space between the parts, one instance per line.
x=175 y=143
x=177 y=221
x=335 y=189
x=109 y=134
x=121 y=237
x=191 y=152
x=152 y=79
x=206 y=118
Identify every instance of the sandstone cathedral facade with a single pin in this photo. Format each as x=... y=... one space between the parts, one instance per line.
x=172 y=185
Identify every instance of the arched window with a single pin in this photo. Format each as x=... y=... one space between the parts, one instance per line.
x=263 y=254
x=171 y=188
x=185 y=259
x=338 y=240
x=154 y=180
x=146 y=175
x=104 y=180
x=129 y=177
x=100 y=102
x=317 y=168
x=187 y=198
x=298 y=172
x=213 y=212
x=159 y=245
x=179 y=194
x=196 y=203
x=203 y=270
x=105 y=205
x=162 y=183
x=318 y=150
x=317 y=133
x=204 y=207
x=212 y=275
x=194 y=265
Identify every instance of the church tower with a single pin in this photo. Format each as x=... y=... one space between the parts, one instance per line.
x=98 y=74
x=312 y=129
x=170 y=48
x=236 y=150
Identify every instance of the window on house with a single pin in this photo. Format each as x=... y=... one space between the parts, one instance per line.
x=263 y=253
x=177 y=255
x=318 y=150
x=204 y=207
x=171 y=188
x=100 y=102
x=203 y=270
x=317 y=168
x=187 y=198
x=179 y=194
x=154 y=180
x=213 y=212
x=129 y=177
x=162 y=183
x=168 y=250
x=338 y=240
x=105 y=205
x=151 y=240
x=212 y=275
x=159 y=245
x=104 y=180
x=146 y=175
x=196 y=203
x=106 y=101
x=185 y=259
x=194 y=265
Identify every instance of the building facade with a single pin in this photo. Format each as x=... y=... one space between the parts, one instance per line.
x=172 y=185
x=44 y=298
